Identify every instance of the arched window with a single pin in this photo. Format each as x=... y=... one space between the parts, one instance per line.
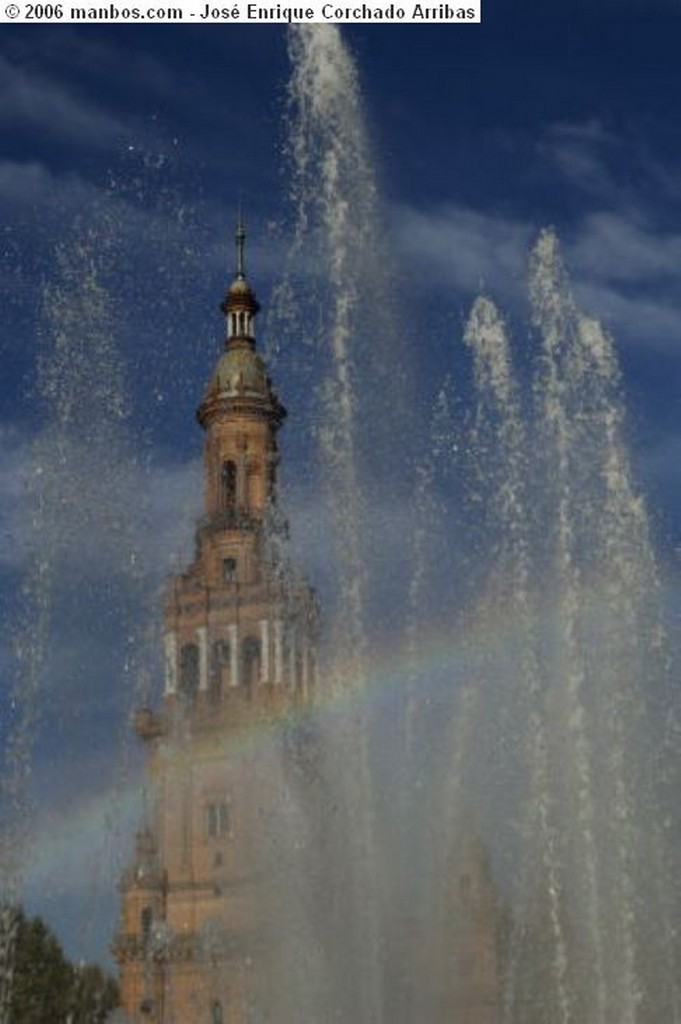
x=189 y=671
x=145 y=923
x=233 y=324
x=242 y=323
x=216 y=1013
x=251 y=662
x=220 y=663
x=229 y=484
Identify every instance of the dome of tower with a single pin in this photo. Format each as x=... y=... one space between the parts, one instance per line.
x=240 y=379
x=240 y=296
x=239 y=286
x=240 y=371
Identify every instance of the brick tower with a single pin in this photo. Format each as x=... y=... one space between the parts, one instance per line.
x=239 y=657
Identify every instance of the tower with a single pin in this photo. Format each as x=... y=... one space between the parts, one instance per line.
x=239 y=657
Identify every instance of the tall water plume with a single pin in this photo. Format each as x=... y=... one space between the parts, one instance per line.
x=530 y=768
x=337 y=220
x=594 y=642
x=513 y=677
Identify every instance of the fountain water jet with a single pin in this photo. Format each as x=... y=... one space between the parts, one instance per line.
x=334 y=193
x=549 y=739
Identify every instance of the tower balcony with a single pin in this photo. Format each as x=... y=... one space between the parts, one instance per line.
x=242 y=519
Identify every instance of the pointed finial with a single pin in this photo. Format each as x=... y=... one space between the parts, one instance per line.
x=240 y=244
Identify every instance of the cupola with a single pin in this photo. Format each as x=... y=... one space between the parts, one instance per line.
x=240 y=305
x=240 y=384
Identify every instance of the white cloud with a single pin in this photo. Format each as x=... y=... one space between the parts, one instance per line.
x=462 y=248
x=622 y=269
x=651 y=324
x=32 y=183
x=611 y=246
x=68 y=49
x=95 y=519
x=590 y=158
x=579 y=152
x=31 y=99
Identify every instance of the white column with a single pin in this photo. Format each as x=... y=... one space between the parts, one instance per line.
x=234 y=654
x=202 y=638
x=278 y=652
x=170 y=644
x=264 y=651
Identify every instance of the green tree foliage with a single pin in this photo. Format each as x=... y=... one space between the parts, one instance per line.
x=47 y=989
x=41 y=975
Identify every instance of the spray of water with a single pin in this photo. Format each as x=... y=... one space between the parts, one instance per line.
x=379 y=913
x=81 y=474
x=500 y=427
x=334 y=194
x=546 y=736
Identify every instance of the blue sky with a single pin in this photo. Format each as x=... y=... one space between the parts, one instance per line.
x=130 y=147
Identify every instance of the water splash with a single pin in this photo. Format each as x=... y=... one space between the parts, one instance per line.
x=82 y=534
x=334 y=193
x=546 y=735
x=335 y=198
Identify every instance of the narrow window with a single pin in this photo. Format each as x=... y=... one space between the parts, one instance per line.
x=189 y=671
x=229 y=567
x=220 y=660
x=233 y=324
x=145 y=923
x=217 y=819
x=251 y=662
x=216 y=1013
x=229 y=484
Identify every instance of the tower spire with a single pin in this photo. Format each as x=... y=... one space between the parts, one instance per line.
x=240 y=305
x=240 y=244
